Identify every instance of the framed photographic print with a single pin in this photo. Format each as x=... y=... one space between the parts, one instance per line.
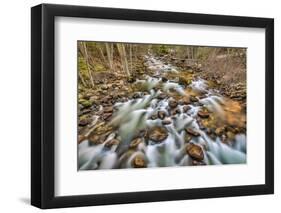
x=141 y=106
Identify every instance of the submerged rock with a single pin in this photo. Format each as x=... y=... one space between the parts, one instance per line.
x=195 y=151
x=157 y=134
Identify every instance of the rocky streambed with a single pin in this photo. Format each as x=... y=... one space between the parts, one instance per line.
x=171 y=118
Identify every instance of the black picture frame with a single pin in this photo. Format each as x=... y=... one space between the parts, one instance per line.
x=43 y=102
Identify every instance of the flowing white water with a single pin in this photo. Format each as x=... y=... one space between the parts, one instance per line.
x=135 y=115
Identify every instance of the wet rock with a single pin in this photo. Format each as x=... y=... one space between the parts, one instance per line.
x=187 y=138
x=201 y=124
x=186 y=108
x=137 y=95
x=184 y=101
x=193 y=99
x=184 y=81
x=162 y=96
x=139 y=162
x=131 y=79
x=106 y=99
x=81 y=138
x=195 y=151
x=112 y=142
x=135 y=143
x=86 y=111
x=166 y=122
x=220 y=130
x=164 y=79
x=108 y=109
x=161 y=115
x=203 y=114
x=173 y=103
x=157 y=134
x=192 y=132
x=84 y=121
x=96 y=139
x=154 y=117
x=175 y=111
x=230 y=135
x=198 y=163
x=106 y=116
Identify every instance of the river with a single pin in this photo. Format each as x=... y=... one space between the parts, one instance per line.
x=158 y=128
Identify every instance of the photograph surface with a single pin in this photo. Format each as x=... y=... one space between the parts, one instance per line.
x=160 y=105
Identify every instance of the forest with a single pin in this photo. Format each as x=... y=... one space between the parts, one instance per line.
x=156 y=105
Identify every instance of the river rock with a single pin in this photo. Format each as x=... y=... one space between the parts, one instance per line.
x=166 y=122
x=173 y=103
x=184 y=101
x=112 y=142
x=162 y=96
x=175 y=111
x=220 y=130
x=134 y=144
x=198 y=163
x=106 y=116
x=193 y=99
x=108 y=109
x=195 y=151
x=187 y=138
x=192 y=132
x=96 y=139
x=84 y=121
x=203 y=114
x=136 y=95
x=139 y=162
x=186 y=108
x=230 y=135
x=164 y=79
x=104 y=87
x=154 y=117
x=161 y=115
x=157 y=134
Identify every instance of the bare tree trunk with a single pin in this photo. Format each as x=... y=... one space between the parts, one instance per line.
x=87 y=63
x=108 y=53
x=131 y=59
x=82 y=79
x=102 y=54
x=123 y=56
x=112 y=56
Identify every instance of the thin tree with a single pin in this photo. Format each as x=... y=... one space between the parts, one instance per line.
x=109 y=55
x=87 y=63
x=123 y=56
